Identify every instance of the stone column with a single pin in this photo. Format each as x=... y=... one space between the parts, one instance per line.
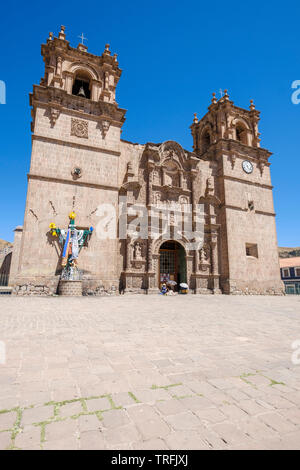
x=214 y=257
x=149 y=254
x=50 y=71
x=196 y=261
x=68 y=82
x=14 y=267
x=150 y=182
x=180 y=178
x=59 y=66
x=163 y=176
x=128 y=253
x=95 y=90
x=214 y=262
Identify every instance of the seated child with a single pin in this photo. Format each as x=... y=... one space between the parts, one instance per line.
x=164 y=289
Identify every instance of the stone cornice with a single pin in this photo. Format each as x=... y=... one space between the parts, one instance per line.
x=61 y=100
x=244 y=181
x=243 y=209
x=229 y=146
x=75 y=144
x=32 y=176
x=64 y=48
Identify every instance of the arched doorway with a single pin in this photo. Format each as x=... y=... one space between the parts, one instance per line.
x=172 y=263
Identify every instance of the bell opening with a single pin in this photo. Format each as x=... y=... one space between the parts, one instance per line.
x=81 y=88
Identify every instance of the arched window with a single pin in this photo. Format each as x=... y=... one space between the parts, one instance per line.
x=81 y=85
x=241 y=133
x=205 y=141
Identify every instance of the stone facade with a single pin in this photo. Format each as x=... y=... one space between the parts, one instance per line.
x=227 y=171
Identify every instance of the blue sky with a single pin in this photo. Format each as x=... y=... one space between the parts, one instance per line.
x=173 y=56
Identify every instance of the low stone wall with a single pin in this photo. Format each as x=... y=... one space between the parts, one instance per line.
x=34 y=286
x=256 y=288
x=96 y=287
x=100 y=290
x=32 y=290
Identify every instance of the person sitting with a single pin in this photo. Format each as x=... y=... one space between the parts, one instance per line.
x=164 y=289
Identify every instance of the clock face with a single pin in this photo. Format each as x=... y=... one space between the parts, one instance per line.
x=247 y=166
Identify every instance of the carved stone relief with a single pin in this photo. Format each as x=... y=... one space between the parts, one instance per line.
x=79 y=128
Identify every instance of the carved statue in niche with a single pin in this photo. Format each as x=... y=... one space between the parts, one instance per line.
x=210 y=187
x=171 y=174
x=184 y=200
x=172 y=219
x=157 y=199
x=137 y=251
x=184 y=181
x=204 y=257
x=155 y=177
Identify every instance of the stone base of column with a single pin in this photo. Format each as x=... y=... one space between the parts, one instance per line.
x=70 y=288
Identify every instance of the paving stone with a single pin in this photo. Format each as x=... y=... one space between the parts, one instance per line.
x=251 y=407
x=211 y=415
x=220 y=398
x=292 y=414
x=34 y=397
x=98 y=404
x=179 y=391
x=186 y=441
x=70 y=409
x=294 y=397
x=115 y=418
x=7 y=420
x=61 y=429
x=151 y=444
x=121 y=435
x=5 y=440
x=237 y=394
x=123 y=399
x=28 y=438
x=278 y=402
x=196 y=403
x=153 y=428
x=89 y=423
x=183 y=421
x=277 y=422
x=67 y=443
x=257 y=429
x=229 y=433
x=152 y=396
x=142 y=413
x=170 y=407
x=222 y=384
x=92 y=440
x=37 y=414
x=233 y=412
x=202 y=387
x=291 y=441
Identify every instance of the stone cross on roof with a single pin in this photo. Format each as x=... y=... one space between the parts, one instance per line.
x=82 y=38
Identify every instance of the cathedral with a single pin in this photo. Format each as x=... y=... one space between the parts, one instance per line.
x=80 y=165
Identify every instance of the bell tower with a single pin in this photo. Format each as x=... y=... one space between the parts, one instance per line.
x=227 y=138
x=76 y=127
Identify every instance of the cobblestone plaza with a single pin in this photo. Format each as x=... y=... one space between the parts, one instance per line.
x=150 y=372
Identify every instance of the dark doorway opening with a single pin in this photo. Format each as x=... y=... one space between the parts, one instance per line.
x=172 y=264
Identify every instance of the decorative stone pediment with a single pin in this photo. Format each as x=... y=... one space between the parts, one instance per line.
x=171 y=151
